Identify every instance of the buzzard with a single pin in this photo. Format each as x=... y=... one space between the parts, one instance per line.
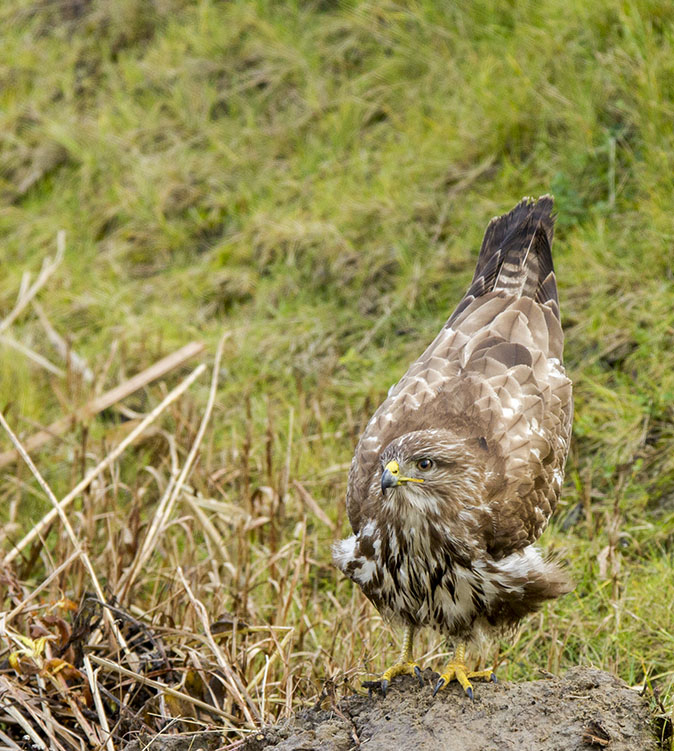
x=458 y=471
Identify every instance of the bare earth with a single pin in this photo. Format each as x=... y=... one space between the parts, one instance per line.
x=586 y=709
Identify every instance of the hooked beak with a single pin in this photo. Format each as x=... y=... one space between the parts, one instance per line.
x=388 y=479
x=391 y=476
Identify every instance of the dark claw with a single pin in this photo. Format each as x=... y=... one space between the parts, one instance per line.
x=371 y=686
x=469 y=692
x=493 y=678
x=438 y=686
x=384 y=688
x=417 y=672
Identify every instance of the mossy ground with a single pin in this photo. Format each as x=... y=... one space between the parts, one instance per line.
x=315 y=178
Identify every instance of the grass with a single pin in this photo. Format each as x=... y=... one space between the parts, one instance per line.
x=314 y=179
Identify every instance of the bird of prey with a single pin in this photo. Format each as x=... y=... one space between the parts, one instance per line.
x=459 y=469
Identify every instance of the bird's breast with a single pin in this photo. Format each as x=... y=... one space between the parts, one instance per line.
x=411 y=577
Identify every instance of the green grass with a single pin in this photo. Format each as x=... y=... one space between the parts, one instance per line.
x=315 y=178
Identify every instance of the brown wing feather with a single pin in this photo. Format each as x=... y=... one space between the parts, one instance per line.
x=526 y=400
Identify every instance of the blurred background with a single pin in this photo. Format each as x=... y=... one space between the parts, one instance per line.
x=313 y=179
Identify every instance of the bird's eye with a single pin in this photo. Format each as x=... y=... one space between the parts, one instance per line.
x=424 y=464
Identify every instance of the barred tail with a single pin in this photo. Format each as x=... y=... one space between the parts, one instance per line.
x=515 y=256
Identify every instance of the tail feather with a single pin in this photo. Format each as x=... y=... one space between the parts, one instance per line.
x=515 y=256
x=502 y=228
x=525 y=264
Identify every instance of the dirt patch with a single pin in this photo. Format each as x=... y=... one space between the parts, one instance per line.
x=586 y=709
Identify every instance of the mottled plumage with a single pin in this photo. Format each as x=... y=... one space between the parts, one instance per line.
x=474 y=438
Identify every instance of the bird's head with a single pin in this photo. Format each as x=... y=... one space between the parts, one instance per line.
x=432 y=468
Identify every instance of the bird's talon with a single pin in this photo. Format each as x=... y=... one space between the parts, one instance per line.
x=404 y=666
x=438 y=686
x=493 y=678
x=469 y=692
x=371 y=686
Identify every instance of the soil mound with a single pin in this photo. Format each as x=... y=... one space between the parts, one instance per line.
x=583 y=710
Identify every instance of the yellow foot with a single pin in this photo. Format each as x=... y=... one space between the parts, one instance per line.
x=400 y=668
x=456 y=670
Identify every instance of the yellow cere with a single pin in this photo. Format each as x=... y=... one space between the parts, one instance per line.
x=394 y=468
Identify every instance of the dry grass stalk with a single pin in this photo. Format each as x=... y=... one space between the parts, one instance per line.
x=61 y=345
x=312 y=507
x=52 y=725
x=92 y=408
x=40 y=526
x=43 y=585
x=35 y=357
x=233 y=684
x=145 y=681
x=9 y=743
x=92 y=675
x=67 y=526
x=210 y=530
x=19 y=718
x=26 y=294
x=14 y=697
x=166 y=506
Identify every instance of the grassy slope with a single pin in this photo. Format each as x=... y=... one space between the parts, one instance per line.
x=315 y=178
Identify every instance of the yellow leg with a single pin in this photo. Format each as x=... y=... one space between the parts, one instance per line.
x=456 y=670
x=405 y=665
